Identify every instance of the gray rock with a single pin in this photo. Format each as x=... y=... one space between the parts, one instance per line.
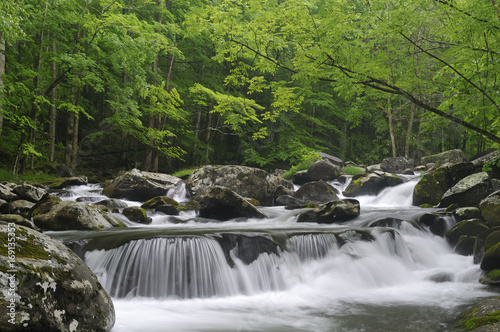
x=469 y=191
x=396 y=164
x=334 y=160
x=472 y=227
x=222 y=203
x=140 y=186
x=54 y=289
x=67 y=215
x=320 y=170
x=332 y=212
x=69 y=182
x=466 y=213
x=451 y=156
x=245 y=181
x=6 y=193
x=483 y=315
x=490 y=209
x=371 y=184
x=22 y=206
x=316 y=192
x=29 y=192
x=18 y=220
x=137 y=214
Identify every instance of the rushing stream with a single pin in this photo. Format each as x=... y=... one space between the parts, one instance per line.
x=280 y=275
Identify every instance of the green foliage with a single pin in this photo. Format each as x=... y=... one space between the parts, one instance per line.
x=308 y=158
x=352 y=170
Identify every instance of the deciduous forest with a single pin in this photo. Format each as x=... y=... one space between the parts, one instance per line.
x=163 y=85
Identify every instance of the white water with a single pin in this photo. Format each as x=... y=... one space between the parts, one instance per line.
x=320 y=282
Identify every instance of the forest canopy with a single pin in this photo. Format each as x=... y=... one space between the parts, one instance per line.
x=167 y=84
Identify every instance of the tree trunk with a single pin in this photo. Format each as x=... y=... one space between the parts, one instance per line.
x=53 y=109
x=2 y=72
x=408 y=133
x=72 y=130
x=208 y=136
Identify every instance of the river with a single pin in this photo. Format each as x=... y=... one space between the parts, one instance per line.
x=275 y=274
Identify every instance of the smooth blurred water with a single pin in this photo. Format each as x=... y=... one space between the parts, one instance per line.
x=176 y=277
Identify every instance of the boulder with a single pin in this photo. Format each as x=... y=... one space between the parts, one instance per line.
x=465 y=245
x=451 y=156
x=245 y=181
x=396 y=165
x=162 y=204
x=393 y=223
x=140 y=186
x=371 y=184
x=69 y=182
x=491 y=258
x=222 y=203
x=490 y=209
x=288 y=200
x=467 y=213
x=492 y=278
x=137 y=214
x=483 y=316
x=29 y=192
x=18 y=220
x=472 y=227
x=334 y=160
x=315 y=192
x=469 y=191
x=484 y=241
x=64 y=171
x=434 y=184
x=112 y=203
x=21 y=206
x=67 y=215
x=336 y=211
x=320 y=170
x=52 y=289
x=7 y=193
x=438 y=223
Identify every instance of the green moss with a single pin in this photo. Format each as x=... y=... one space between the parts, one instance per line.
x=352 y=170
x=469 y=322
x=495 y=274
x=184 y=173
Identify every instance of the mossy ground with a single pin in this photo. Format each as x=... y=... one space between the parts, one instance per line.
x=469 y=322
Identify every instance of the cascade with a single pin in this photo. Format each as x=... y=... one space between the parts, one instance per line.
x=278 y=275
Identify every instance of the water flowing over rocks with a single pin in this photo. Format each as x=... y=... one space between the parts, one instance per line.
x=222 y=203
x=246 y=181
x=52 y=289
x=140 y=186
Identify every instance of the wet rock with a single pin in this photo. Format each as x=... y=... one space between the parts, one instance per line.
x=490 y=209
x=18 y=220
x=451 y=156
x=483 y=316
x=320 y=170
x=467 y=213
x=469 y=191
x=245 y=181
x=69 y=182
x=162 y=204
x=286 y=200
x=223 y=204
x=67 y=215
x=484 y=241
x=112 y=203
x=465 y=245
x=54 y=289
x=396 y=165
x=492 y=278
x=434 y=184
x=336 y=211
x=472 y=227
x=316 y=192
x=438 y=223
x=371 y=184
x=393 y=223
x=491 y=259
x=246 y=248
x=29 y=192
x=140 y=186
x=137 y=214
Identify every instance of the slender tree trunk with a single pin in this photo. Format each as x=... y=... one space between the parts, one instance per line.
x=2 y=72
x=408 y=133
x=72 y=130
x=208 y=136
x=391 y=129
x=53 y=109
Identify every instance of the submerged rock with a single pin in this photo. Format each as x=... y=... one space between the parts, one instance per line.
x=51 y=289
x=140 y=186
x=336 y=211
x=223 y=204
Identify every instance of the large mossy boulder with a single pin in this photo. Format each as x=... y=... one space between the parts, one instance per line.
x=320 y=170
x=472 y=227
x=245 y=181
x=221 y=203
x=490 y=209
x=315 y=192
x=491 y=258
x=332 y=212
x=140 y=186
x=51 y=288
x=451 y=156
x=491 y=278
x=59 y=215
x=162 y=204
x=434 y=184
x=371 y=184
x=469 y=191
x=137 y=214
x=484 y=241
x=465 y=213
